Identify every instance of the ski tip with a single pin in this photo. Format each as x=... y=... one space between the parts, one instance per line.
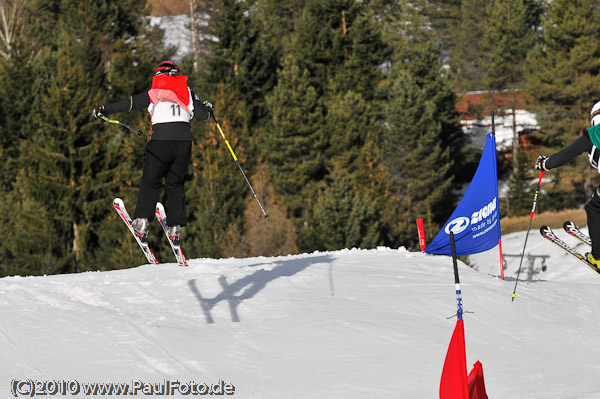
x=568 y=223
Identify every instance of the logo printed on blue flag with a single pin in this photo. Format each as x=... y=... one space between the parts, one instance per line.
x=476 y=220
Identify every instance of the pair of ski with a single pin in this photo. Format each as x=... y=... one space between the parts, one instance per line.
x=571 y=229
x=162 y=218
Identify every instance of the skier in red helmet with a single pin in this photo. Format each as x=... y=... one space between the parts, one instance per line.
x=171 y=104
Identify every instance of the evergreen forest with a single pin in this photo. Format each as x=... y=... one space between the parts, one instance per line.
x=342 y=114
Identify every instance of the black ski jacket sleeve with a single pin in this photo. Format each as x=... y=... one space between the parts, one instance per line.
x=178 y=131
x=142 y=100
x=134 y=103
x=582 y=144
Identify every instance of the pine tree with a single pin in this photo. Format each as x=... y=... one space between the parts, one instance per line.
x=346 y=216
x=420 y=166
x=297 y=142
x=273 y=238
x=509 y=35
x=424 y=147
x=308 y=120
x=216 y=192
x=15 y=95
x=232 y=76
x=468 y=51
x=520 y=189
x=70 y=168
x=444 y=17
x=351 y=92
x=415 y=57
x=337 y=42
x=245 y=57
x=325 y=108
x=462 y=27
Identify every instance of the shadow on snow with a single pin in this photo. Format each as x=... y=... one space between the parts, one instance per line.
x=248 y=286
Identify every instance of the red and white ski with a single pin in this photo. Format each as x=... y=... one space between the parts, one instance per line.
x=549 y=234
x=162 y=218
x=120 y=208
x=572 y=229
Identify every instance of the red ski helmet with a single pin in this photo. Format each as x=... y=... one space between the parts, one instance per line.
x=167 y=67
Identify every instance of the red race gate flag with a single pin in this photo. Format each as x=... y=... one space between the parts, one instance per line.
x=476 y=382
x=421 y=231
x=454 y=375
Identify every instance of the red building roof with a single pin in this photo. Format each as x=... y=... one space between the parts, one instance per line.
x=488 y=100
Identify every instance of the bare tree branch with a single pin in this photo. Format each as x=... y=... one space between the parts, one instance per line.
x=11 y=24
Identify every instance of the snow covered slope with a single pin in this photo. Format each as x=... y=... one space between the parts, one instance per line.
x=559 y=266
x=177 y=33
x=346 y=324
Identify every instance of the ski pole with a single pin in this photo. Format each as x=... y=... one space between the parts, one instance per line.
x=106 y=119
x=537 y=191
x=459 y=313
x=239 y=166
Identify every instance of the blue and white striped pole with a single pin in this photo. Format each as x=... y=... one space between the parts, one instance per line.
x=456 y=280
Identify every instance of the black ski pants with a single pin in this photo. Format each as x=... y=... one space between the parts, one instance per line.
x=592 y=209
x=168 y=160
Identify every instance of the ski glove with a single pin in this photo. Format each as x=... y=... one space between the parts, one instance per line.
x=209 y=107
x=540 y=164
x=98 y=110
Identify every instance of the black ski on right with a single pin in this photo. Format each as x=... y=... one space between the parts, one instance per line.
x=549 y=234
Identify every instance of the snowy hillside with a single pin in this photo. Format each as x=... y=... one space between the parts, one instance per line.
x=177 y=33
x=346 y=324
x=478 y=129
x=539 y=254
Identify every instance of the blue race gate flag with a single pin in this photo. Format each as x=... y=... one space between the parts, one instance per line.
x=476 y=220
